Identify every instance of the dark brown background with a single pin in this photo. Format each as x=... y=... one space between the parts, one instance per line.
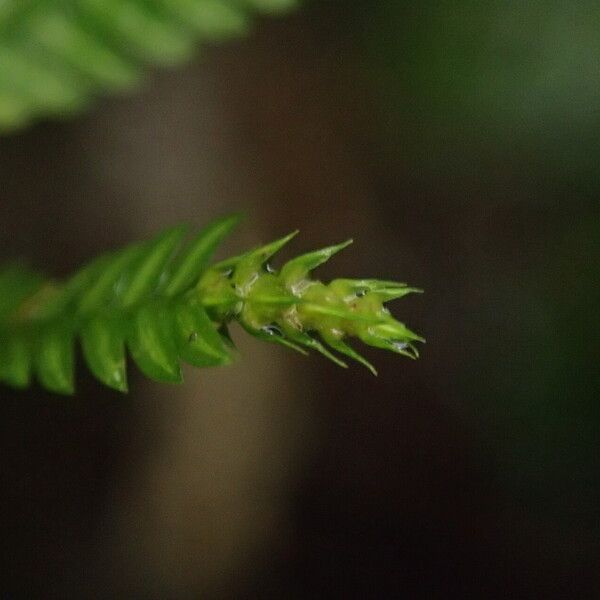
x=458 y=146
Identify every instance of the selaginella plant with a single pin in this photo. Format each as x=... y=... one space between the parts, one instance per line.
x=162 y=301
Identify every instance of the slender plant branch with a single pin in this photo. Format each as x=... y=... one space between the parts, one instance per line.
x=165 y=304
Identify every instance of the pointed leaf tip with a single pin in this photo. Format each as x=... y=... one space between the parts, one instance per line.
x=265 y=252
x=266 y=334
x=250 y=263
x=193 y=260
x=298 y=268
x=103 y=348
x=147 y=270
x=55 y=360
x=348 y=351
x=388 y=294
x=309 y=342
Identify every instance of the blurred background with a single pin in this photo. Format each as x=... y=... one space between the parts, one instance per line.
x=458 y=143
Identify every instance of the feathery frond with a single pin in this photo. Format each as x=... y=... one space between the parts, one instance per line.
x=163 y=303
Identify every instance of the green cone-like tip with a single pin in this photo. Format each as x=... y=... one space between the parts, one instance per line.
x=290 y=308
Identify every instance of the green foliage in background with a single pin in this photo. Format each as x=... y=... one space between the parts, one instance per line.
x=57 y=56
x=491 y=77
x=168 y=306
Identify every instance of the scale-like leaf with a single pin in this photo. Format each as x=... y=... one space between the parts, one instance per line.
x=35 y=82
x=55 y=360
x=211 y=19
x=146 y=32
x=306 y=340
x=298 y=268
x=103 y=346
x=275 y=336
x=199 y=342
x=69 y=47
x=194 y=259
x=146 y=270
x=248 y=265
x=343 y=348
x=102 y=289
x=152 y=344
x=70 y=293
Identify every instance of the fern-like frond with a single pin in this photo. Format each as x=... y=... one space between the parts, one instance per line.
x=161 y=301
x=56 y=56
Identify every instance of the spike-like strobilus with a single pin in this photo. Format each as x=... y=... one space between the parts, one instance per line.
x=167 y=305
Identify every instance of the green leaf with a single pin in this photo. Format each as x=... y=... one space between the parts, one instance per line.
x=198 y=340
x=103 y=288
x=192 y=262
x=388 y=294
x=250 y=263
x=64 y=37
x=385 y=290
x=394 y=330
x=71 y=292
x=348 y=351
x=102 y=341
x=36 y=82
x=149 y=266
x=55 y=359
x=397 y=345
x=309 y=342
x=259 y=256
x=212 y=19
x=145 y=32
x=340 y=313
x=267 y=334
x=152 y=344
x=15 y=361
x=298 y=268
